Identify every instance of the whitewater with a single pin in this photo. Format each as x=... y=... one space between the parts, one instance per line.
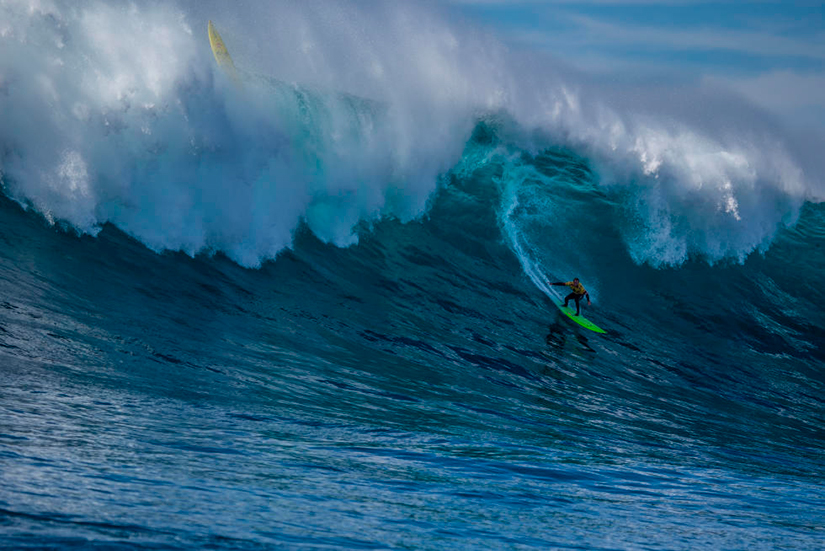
x=308 y=307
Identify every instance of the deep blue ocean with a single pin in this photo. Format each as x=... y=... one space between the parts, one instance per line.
x=270 y=314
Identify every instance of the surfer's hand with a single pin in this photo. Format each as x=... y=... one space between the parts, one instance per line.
x=588 y=302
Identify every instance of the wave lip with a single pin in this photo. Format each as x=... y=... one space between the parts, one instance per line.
x=695 y=196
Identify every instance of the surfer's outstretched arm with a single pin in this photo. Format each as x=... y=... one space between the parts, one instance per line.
x=558 y=283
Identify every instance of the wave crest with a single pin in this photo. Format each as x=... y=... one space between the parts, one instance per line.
x=116 y=114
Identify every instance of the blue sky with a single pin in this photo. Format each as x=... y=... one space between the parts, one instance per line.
x=770 y=52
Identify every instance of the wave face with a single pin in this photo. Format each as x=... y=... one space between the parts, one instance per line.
x=312 y=310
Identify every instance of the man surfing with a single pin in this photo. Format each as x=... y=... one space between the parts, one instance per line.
x=578 y=292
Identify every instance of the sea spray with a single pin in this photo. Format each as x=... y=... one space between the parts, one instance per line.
x=119 y=114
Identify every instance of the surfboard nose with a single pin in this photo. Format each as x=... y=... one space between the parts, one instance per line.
x=220 y=52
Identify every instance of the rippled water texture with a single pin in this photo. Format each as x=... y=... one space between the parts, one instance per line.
x=416 y=390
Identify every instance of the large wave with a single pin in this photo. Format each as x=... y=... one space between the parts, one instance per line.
x=118 y=114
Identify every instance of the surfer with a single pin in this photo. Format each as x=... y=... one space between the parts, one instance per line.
x=578 y=292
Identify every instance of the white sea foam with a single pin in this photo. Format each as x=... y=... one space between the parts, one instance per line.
x=117 y=113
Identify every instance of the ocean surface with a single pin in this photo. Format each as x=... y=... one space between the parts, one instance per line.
x=311 y=311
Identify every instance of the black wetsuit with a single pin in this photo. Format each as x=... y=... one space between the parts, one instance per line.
x=578 y=292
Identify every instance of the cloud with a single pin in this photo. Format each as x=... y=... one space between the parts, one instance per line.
x=795 y=96
x=762 y=43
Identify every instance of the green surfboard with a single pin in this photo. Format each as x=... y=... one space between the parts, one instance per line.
x=570 y=312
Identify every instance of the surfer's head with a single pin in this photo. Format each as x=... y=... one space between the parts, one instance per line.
x=576 y=280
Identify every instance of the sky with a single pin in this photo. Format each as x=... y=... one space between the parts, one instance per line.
x=770 y=52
